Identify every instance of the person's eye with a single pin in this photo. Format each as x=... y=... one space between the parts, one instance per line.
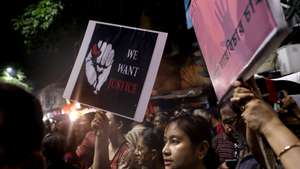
x=175 y=141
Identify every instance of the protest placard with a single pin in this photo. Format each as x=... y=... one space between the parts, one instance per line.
x=235 y=36
x=116 y=68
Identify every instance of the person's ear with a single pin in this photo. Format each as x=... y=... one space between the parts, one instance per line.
x=153 y=154
x=202 y=150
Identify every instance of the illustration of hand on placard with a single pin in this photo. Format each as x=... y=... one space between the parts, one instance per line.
x=98 y=64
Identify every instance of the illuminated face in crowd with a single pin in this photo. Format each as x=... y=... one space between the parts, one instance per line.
x=156 y=122
x=142 y=153
x=112 y=124
x=178 y=152
x=228 y=120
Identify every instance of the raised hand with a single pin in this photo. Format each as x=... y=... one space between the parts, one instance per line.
x=255 y=112
x=241 y=93
x=100 y=123
x=98 y=64
x=258 y=115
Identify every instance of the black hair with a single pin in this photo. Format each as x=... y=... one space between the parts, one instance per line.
x=21 y=125
x=224 y=104
x=196 y=127
x=234 y=107
x=163 y=116
x=153 y=139
x=126 y=123
x=53 y=146
x=198 y=130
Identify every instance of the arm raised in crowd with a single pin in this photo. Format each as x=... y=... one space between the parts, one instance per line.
x=112 y=151
x=101 y=156
x=260 y=117
x=288 y=103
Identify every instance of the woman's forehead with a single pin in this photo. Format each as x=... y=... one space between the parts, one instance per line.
x=173 y=130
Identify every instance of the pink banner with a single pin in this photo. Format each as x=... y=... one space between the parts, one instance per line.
x=229 y=33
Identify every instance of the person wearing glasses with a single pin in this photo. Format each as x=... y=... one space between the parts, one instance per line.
x=226 y=143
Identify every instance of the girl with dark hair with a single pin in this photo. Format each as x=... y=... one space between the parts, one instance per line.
x=160 y=120
x=187 y=143
x=149 y=147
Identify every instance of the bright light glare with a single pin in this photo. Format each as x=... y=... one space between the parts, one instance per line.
x=68 y=101
x=9 y=70
x=73 y=115
x=77 y=105
x=45 y=118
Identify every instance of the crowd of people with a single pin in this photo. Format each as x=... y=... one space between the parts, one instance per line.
x=181 y=139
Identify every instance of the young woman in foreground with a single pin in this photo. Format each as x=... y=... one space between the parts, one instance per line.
x=187 y=143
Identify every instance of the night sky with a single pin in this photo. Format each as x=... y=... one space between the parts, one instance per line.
x=51 y=61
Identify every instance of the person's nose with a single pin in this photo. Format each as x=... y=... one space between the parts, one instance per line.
x=136 y=152
x=229 y=129
x=166 y=150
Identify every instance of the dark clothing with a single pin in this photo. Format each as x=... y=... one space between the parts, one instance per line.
x=59 y=165
x=225 y=148
x=248 y=162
